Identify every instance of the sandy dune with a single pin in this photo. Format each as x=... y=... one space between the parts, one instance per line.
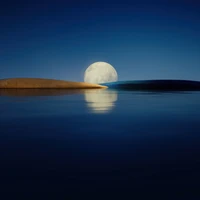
x=39 y=83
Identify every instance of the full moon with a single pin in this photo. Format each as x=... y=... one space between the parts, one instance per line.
x=100 y=72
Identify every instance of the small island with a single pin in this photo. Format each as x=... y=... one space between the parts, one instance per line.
x=41 y=83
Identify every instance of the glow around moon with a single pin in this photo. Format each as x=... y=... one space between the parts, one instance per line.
x=100 y=72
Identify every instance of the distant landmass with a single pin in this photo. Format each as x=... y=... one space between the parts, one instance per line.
x=143 y=85
x=156 y=85
x=41 y=83
x=18 y=92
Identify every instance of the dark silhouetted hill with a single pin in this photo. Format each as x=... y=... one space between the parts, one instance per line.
x=156 y=85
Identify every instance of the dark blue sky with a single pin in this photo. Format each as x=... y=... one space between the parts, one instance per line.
x=60 y=39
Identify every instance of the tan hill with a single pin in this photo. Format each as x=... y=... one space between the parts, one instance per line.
x=39 y=83
x=41 y=92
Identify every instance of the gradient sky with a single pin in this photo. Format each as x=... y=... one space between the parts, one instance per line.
x=143 y=39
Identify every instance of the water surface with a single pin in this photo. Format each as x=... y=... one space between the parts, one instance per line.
x=73 y=142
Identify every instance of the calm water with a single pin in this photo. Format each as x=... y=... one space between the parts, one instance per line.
x=72 y=143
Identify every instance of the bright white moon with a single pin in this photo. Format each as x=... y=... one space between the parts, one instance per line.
x=100 y=72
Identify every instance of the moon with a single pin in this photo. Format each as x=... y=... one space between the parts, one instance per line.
x=100 y=72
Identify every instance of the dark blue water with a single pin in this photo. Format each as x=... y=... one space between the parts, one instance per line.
x=100 y=142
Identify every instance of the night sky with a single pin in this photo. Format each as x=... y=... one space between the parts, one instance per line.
x=60 y=39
